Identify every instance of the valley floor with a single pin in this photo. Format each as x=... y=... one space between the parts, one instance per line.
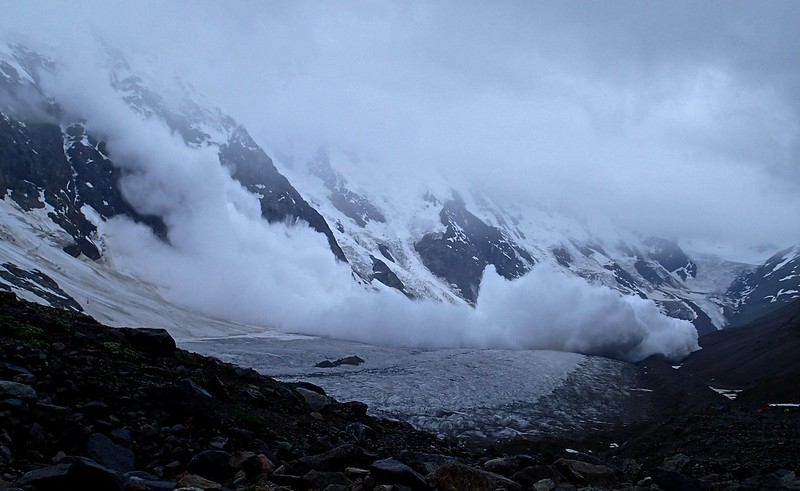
x=82 y=405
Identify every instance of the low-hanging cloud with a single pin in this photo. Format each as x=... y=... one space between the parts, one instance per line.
x=677 y=119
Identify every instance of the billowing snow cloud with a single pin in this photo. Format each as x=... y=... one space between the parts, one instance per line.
x=225 y=261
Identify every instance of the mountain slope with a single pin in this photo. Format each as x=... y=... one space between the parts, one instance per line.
x=425 y=243
x=758 y=292
x=762 y=352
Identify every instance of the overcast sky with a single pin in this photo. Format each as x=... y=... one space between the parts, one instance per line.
x=680 y=119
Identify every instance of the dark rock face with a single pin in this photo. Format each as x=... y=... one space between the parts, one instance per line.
x=351 y=204
x=382 y=273
x=774 y=284
x=468 y=245
x=669 y=255
x=40 y=284
x=757 y=356
x=280 y=201
x=46 y=159
x=40 y=164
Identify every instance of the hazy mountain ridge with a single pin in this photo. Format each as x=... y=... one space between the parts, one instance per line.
x=428 y=245
x=461 y=237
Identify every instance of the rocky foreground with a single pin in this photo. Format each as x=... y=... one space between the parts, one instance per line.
x=83 y=406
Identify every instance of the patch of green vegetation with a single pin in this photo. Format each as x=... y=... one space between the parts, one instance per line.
x=250 y=421
x=121 y=350
x=30 y=335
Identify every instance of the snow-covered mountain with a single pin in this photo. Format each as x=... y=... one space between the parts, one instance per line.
x=60 y=184
x=762 y=290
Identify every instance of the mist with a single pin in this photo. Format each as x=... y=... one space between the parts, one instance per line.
x=679 y=120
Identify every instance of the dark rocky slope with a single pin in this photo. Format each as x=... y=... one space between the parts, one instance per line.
x=83 y=406
x=762 y=357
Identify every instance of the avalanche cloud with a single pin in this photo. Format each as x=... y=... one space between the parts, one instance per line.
x=223 y=260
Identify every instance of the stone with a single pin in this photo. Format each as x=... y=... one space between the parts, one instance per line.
x=357 y=407
x=190 y=388
x=391 y=471
x=532 y=474
x=586 y=474
x=349 y=360
x=315 y=401
x=105 y=452
x=293 y=482
x=507 y=466
x=424 y=462
x=356 y=472
x=74 y=473
x=155 y=341
x=16 y=390
x=333 y=460
x=544 y=485
x=676 y=463
x=360 y=432
x=188 y=480
x=249 y=462
x=320 y=480
x=455 y=476
x=212 y=464
x=672 y=481
x=142 y=481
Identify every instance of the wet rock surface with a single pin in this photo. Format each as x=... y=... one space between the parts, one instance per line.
x=83 y=406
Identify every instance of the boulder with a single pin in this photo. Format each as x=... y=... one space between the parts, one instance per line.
x=315 y=401
x=391 y=471
x=586 y=474
x=321 y=480
x=212 y=464
x=360 y=432
x=333 y=460
x=200 y=482
x=455 y=476
x=74 y=473
x=102 y=450
x=16 y=390
x=507 y=466
x=156 y=341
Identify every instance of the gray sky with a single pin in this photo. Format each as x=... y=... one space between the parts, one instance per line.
x=680 y=119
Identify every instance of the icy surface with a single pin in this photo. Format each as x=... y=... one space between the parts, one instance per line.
x=467 y=394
